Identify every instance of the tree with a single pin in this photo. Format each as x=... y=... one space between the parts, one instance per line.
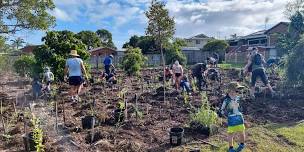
x=133 y=61
x=174 y=52
x=218 y=46
x=105 y=38
x=160 y=27
x=56 y=49
x=145 y=43
x=89 y=38
x=17 y=15
x=17 y=43
x=25 y=65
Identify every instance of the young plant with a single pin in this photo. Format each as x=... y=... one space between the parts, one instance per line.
x=186 y=97
x=37 y=135
x=205 y=116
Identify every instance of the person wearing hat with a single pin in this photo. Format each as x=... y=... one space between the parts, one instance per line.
x=48 y=77
x=231 y=109
x=257 y=62
x=75 y=69
x=178 y=74
x=108 y=63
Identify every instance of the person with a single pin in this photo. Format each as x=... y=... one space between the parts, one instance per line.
x=108 y=63
x=168 y=74
x=197 y=71
x=178 y=74
x=111 y=78
x=257 y=62
x=75 y=69
x=211 y=61
x=185 y=85
x=216 y=56
x=36 y=87
x=48 y=77
x=231 y=109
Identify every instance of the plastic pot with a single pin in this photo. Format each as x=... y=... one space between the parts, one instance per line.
x=176 y=136
x=88 y=122
x=28 y=141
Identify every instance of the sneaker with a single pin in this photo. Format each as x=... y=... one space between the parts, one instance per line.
x=240 y=148
x=231 y=150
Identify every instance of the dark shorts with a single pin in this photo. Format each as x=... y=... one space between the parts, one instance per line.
x=75 y=80
x=258 y=73
x=250 y=68
x=107 y=69
x=178 y=75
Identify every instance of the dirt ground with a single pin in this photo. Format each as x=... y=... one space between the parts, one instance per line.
x=148 y=120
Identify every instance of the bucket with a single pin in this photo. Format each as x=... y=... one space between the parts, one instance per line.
x=28 y=141
x=88 y=122
x=176 y=136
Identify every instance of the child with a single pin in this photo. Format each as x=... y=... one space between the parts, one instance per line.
x=48 y=77
x=235 y=117
x=36 y=88
x=185 y=84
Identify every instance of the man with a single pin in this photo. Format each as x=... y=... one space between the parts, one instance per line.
x=36 y=87
x=257 y=62
x=211 y=61
x=108 y=63
x=216 y=57
x=197 y=72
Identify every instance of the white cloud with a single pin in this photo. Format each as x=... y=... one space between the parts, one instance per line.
x=61 y=15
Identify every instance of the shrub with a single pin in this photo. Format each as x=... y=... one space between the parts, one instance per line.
x=133 y=61
x=25 y=66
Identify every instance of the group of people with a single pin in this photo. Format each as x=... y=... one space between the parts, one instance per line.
x=75 y=73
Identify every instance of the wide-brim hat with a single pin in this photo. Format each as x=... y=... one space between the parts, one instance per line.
x=73 y=53
x=234 y=86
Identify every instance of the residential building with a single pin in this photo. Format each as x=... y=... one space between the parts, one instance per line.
x=264 y=40
x=198 y=41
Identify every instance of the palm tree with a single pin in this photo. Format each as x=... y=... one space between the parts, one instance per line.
x=18 y=42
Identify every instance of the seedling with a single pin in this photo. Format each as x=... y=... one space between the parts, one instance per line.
x=37 y=134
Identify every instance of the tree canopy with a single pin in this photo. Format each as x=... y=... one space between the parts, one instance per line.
x=145 y=43
x=105 y=38
x=133 y=61
x=216 y=46
x=17 y=15
x=174 y=52
x=90 y=39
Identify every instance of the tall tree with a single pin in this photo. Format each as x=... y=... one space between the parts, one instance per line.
x=89 y=38
x=160 y=27
x=17 y=15
x=17 y=43
x=145 y=43
x=105 y=38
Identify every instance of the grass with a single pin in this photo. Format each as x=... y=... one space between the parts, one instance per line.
x=270 y=138
x=231 y=65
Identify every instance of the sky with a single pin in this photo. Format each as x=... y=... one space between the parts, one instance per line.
x=124 y=18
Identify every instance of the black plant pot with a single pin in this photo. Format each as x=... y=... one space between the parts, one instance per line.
x=176 y=136
x=119 y=115
x=88 y=122
x=28 y=141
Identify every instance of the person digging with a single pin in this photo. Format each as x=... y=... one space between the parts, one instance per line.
x=75 y=69
x=258 y=71
x=197 y=72
x=230 y=108
x=108 y=63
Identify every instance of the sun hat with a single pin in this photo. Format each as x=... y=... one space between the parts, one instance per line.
x=234 y=86
x=73 y=53
x=111 y=56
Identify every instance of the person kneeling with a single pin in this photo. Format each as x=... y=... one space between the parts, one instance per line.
x=185 y=85
x=235 y=117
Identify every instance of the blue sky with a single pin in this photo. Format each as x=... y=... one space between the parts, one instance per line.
x=124 y=18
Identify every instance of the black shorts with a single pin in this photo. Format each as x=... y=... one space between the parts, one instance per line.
x=258 y=73
x=178 y=75
x=75 y=80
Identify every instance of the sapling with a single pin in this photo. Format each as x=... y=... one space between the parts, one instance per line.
x=37 y=134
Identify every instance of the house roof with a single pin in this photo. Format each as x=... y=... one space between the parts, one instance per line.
x=262 y=32
x=28 y=48
x=102 y=51
x=199 y=36
x=285 y=23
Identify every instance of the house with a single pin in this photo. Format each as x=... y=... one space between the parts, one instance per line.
x=28 y=49
x=194 y=49
x=98 y=55
x=264 y=40
x=198 y=41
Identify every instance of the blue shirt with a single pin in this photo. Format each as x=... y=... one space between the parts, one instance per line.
x=107 y=61
x=74 y=66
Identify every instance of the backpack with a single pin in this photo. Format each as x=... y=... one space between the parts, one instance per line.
x=257 y=59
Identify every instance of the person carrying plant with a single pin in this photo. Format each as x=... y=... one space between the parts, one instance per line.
x=108 y=63
x=178 y=74
x=75 y=69
x=197 y=72
x=48 y=77
x=231 y=109
x=257 y=62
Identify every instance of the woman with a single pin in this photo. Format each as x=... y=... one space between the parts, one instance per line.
x=75 y=68
x=178 y=74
